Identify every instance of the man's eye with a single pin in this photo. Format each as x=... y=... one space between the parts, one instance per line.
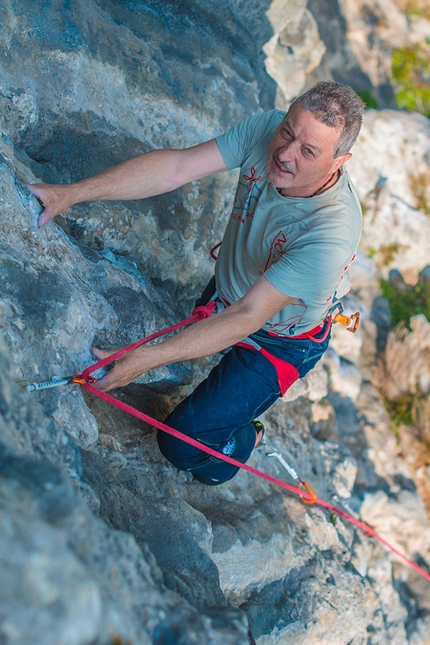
x=287 y=134
x=309 y=152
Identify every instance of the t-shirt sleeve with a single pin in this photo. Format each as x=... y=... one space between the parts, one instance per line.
x=235 y=143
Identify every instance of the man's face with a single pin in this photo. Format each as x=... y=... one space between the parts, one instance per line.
x=300 y=156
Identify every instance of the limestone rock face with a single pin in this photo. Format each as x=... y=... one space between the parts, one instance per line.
x=390 y=170
x=126 y=81
x=295 y=48
x=359 y=37
x=101 y=540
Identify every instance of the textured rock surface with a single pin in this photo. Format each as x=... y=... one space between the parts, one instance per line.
x=359 y=36
x=390 y=169
x=102 y=541
x=295 y=48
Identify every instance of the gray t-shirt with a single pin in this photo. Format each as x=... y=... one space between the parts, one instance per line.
x=303 y=246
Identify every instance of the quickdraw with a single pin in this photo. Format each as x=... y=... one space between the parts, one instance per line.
x=294 y=475
x=55 y=382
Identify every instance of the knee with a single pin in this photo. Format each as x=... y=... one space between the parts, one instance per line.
x=179 y=453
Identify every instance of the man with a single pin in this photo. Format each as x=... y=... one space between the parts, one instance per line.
x=293 y=232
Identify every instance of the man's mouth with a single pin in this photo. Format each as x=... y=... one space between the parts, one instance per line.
x=283 y=168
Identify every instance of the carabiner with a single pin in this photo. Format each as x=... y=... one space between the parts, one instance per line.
x=81 y=381
x=309 y=490
x=350 y=322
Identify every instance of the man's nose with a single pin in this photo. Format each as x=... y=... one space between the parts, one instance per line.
x=288 y=151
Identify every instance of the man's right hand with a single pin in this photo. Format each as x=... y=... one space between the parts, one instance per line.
x=55 y=199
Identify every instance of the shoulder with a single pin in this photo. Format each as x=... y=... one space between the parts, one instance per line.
x=256 y=126
x=257 y=130
x=270 y=119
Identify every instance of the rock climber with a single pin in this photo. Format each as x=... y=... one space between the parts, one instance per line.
x=293 y=232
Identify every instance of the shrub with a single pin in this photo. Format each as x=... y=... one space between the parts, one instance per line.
x=370 y=101
x=401 y=375
x=411 y=75
x=406 y=301
x=418 y=8
x=420 y=185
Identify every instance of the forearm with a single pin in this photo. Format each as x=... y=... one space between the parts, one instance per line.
x=206 y=337
x=211 y=335
x=153 y=173
x=149 y=174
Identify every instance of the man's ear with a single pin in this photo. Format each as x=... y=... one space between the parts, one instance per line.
x=339 y=161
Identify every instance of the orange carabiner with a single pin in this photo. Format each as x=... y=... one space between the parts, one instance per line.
x=309 y=490
x=350 y=322
x=78 y=379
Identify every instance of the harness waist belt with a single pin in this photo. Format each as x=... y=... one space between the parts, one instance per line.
x=313 y=332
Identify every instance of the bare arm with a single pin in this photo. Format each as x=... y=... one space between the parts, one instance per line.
x=152 y=173
x=208 y=336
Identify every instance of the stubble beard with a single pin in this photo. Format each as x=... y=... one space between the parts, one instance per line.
x=274 y=178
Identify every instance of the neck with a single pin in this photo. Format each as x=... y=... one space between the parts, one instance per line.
x=328 y=184
x=331 y=181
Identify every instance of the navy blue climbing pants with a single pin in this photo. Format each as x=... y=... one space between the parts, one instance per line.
x=220 y=411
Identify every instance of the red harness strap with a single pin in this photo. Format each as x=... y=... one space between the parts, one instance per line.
x=310 y=335
x=286 y=372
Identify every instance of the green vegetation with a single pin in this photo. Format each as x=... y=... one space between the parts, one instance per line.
x=369 y=99
x=386 y=252
x=389 y=251
x=406 y=301
x=412 y=409
x=421 y=417
x=411 y=75
x=420 y=185
x=400 y=411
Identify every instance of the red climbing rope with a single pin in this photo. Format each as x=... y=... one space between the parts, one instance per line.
x=199 y=314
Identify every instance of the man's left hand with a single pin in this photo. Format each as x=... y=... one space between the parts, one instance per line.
x=125 y=369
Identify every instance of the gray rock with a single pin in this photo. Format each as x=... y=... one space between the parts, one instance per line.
x=101 y=540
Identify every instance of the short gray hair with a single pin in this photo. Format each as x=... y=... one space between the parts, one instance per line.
x=339 y=107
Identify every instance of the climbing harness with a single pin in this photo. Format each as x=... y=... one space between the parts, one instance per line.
x=87 y=382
